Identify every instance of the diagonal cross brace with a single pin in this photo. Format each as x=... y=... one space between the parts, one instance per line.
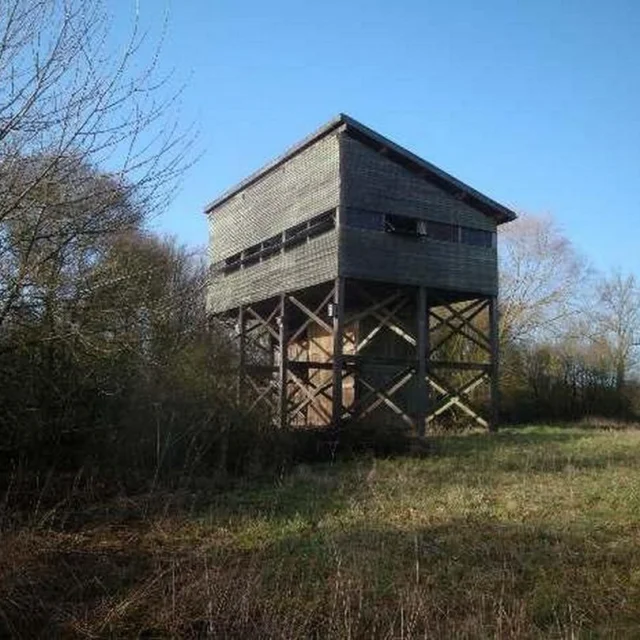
x=453 y=397
x=312 y=316
x=465 y=326
x=385 y=397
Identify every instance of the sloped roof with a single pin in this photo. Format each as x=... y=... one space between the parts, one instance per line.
x=392 y=151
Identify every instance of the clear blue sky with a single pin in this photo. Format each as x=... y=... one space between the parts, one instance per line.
x=537 y=103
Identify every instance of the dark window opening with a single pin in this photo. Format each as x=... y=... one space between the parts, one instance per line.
x=296 y=230
x=442 y=231
x=233 y=263
x=362 y=219
x=477 y=237
x=295 y=235
x=313 y=227
x=251 y=255
x=403 y=225
x=271 y=246
x=321 y=224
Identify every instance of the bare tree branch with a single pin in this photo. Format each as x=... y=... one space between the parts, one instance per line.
x=70 y=104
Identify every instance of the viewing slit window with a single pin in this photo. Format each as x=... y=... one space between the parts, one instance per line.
x=233 y=263
x=251 y=255
x=271 y=246
x=362 y=219
x=402 y=225
x=413 y=227
x=476 y=237
x=442 y=231
x=321 y=224
x=293 y=236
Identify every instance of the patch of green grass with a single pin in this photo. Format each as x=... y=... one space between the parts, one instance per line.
x=530 y=532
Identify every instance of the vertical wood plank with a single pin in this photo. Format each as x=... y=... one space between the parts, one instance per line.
x=283 y=364
x=422 y=352
x=242 y=354
x=338 y=331
x=494 y=337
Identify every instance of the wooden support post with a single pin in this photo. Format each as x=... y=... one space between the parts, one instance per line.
x=422 y=352
x=242 y=354
x=338 y=330
x=494 y=339
x=283 y=365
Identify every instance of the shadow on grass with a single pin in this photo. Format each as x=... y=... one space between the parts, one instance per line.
x=467 y=578
x=47 y=591
x=312 y=491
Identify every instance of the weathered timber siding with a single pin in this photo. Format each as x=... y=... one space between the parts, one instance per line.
x=385 y=257
x=314 y=262
x=305 y=185
x=372 y=181
x=337 y=171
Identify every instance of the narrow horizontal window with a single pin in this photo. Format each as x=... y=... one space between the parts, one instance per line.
x=361 y=219
x=403 y=225
x=295 y=235
x=292 y=237
x=236 y=257
x=251 y=255
x=271 y=246
x=477 y=237
x=232 y=263
x=322 y=223
x=442 y=231
x=295 y=231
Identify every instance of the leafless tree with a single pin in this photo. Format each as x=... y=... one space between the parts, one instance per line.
x=615 y=323
x=541 y=279
x=72 y=106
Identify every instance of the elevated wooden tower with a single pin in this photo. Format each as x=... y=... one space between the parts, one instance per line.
x=360 y=282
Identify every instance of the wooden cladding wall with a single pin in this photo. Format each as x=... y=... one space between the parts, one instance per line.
x=338 y=172
x=305 y=185
x=372 y=181
x=306 y=265
x=386 y=257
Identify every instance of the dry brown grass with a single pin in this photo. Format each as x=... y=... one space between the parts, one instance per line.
x=528 y=533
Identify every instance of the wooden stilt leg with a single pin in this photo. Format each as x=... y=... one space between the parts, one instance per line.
x=338 y=330
x=422 y=349
x=495 y=369
x=283 y=364
x=242 y=348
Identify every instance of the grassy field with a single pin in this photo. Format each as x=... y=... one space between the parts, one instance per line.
x=531 y=532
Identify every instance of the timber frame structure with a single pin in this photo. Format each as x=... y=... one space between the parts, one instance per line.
x=276 y=374
x=373 y=297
